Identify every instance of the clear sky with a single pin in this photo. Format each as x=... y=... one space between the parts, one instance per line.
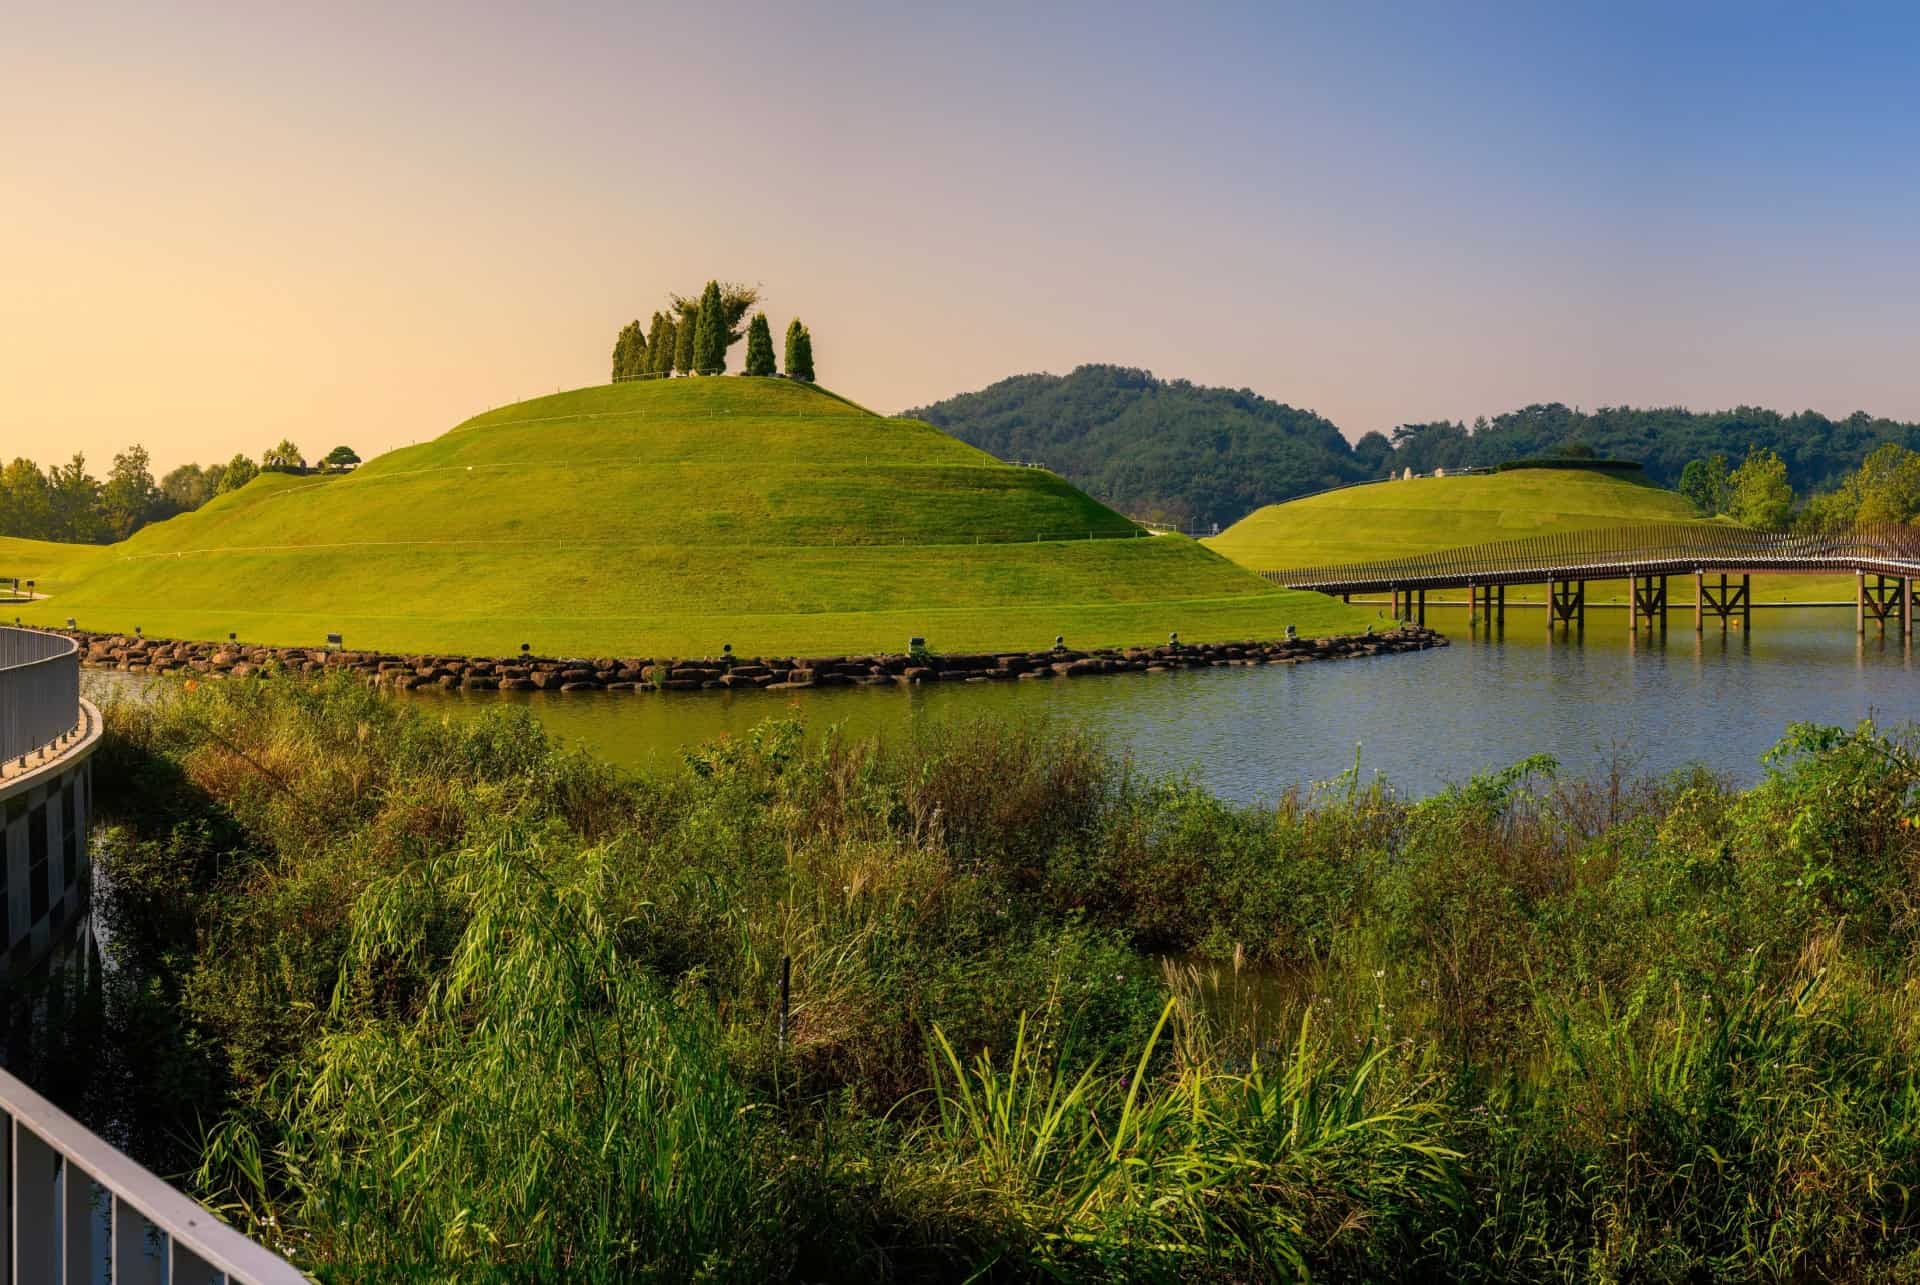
x=221 y=225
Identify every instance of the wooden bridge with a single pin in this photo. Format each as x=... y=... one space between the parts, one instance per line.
x=1884 y=561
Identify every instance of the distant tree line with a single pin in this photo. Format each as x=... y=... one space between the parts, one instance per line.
x=692 y=334
x=1173 y=451
x=68 y=504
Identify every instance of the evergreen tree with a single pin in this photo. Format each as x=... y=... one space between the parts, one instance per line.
x=683 y=335
x=660 y=345
x=710 y=336
x=759 y=346
x=794 y=331
x=629 y=352
x=799 y=352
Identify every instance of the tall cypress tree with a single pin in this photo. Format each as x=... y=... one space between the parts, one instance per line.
x=710 y=338
x=683 y=342
x=660 y=345
x=629 y=352
x=794 y=331
x=759 y=346
x=799 y=352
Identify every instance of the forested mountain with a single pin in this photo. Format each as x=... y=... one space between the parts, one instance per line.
x=1174 y=451
x=1166 y=450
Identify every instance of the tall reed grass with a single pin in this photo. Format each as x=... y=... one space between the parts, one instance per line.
x=425 y=1000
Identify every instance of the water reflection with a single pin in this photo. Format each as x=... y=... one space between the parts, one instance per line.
x=1720 y=698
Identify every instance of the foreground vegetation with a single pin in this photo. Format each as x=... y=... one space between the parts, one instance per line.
x=431 y=999
x=672 y=517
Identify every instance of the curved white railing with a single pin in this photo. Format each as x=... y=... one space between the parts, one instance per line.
x=39 y=691
x=75 y=1206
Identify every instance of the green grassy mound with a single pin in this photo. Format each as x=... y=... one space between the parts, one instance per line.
x=1399 y=519
x=673 y=517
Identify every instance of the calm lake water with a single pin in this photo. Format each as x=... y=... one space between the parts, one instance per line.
x=1424 y=720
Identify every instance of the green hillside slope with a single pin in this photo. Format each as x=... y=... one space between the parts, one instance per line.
x=1397 y=519
x=672 y=517
x=51 y=566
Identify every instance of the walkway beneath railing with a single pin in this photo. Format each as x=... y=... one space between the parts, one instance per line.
x=1648 y=555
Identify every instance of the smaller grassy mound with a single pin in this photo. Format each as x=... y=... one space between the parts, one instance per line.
x=51 y=566
x=1400 y=519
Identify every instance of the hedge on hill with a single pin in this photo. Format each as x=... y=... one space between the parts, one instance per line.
x=1603 y=466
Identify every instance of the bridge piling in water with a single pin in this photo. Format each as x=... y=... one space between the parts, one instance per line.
x=1646 y=556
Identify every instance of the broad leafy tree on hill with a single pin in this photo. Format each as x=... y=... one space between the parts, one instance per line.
x=341 y=457
x=1708 y=484
x=186 y=488
x=129 y=498
x=239 y=471
x=759 y=346
x=736 y=301
x=1761 y=496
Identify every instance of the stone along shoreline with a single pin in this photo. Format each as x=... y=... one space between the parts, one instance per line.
x=429 y=672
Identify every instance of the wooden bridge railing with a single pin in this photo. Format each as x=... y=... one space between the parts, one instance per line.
x=1662 y=548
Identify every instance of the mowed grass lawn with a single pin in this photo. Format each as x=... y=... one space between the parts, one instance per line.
x=51 y=566
x=1400 y=519
x=673 y=518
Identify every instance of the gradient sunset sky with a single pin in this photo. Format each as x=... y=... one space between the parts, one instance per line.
x=361 y=223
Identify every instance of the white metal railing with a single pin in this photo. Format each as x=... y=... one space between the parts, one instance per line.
x=39 y=691
x=63 y=1177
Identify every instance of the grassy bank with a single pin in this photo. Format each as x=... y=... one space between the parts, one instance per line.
x=669 y=516
x=451 y=1001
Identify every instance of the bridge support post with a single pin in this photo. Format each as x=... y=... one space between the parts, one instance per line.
x=1746 y=604
x=1647 y=602
x=1699 y=602
x=1860 y=602
x=1906 y=611
x=1566 y=603
x=1500 y=612
x=1420 y=612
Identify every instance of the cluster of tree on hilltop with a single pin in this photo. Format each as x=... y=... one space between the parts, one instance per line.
x=692 y=336
x=1173 y=451
x=66 y=503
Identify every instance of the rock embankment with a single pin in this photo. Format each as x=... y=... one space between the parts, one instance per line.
x=134 y=654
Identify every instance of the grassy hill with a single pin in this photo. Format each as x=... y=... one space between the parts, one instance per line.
x=671 y=517
x=1399 y=519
